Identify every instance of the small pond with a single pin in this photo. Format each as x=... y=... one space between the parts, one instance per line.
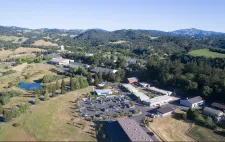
x=30 y=86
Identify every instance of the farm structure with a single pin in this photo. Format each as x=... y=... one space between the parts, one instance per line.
x=193 y=102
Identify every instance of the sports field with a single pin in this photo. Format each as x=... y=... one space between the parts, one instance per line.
x=206 y=53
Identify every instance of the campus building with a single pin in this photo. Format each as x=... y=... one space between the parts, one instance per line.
x=133 y=130
x=158 y=101
x=193 y=102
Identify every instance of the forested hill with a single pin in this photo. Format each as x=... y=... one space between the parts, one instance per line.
x=139 y=42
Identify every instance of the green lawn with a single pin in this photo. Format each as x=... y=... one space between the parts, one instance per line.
x=203 y=134
x=206 y=53
x=50 y=121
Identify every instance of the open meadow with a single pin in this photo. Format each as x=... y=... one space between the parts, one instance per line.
x=14 y=39
x=44 y=43
x=170 y=129
x=206 y=53
x=53 y=120
x=203 y=134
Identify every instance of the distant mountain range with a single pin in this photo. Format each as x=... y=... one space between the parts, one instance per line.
x=182 y=32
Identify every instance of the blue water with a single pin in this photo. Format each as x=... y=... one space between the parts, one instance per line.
x=30 y=86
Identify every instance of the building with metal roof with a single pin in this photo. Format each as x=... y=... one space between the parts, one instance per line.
x=158 y=101
x=218 y=106
x=193 y=102
x=104 y=92
x=212 y=112
x=160 y=91
x=103 y=70
x=165 y=110
x=133 y=130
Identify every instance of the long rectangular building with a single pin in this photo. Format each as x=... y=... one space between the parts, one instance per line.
x=136 y=92
x=133 y=130
x=158 y=101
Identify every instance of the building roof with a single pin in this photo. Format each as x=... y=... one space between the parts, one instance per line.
x=212 y=112
x=159 y=99
x=77 y=65
x=132 y=79
x=103 y=91
x=160 y=91
x=133 y=130
x=195 y=100
x=131 y=60
x=53 y=55
x=59 y=60
x=103 y=70
x=141 y=95
x=144 y=84
x=130 y=88
x=218 y=105
x=165 y=109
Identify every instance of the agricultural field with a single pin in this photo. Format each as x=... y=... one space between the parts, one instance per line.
x=14 y=39
x=203 y=134
x=53 y=120
x=44 y=43
x=170 y=129
x=206 y=53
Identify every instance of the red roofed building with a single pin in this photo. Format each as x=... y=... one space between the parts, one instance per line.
x=132 y=80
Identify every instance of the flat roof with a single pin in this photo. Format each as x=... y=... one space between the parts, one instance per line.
x=59 y=60
x=133 y=130
x=103 y=90
x=195 y=100
x=165 y=109
x=130 y=87
x=141 y=95
x=160 y=91
x=159 y=99
x=136 y=92
x=132 y=78
x=218 y=105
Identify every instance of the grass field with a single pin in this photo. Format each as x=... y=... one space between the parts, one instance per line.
x=170 y=129
x=13 y=38
x=8 y=53
x=203 y=134
x=206 y=53
x=53 y=120
x=44 y=43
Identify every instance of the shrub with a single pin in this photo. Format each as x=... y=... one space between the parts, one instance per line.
x=1 y=109
x=7 y=115
x=24 y=107
x=15 y=112
x=15 y=124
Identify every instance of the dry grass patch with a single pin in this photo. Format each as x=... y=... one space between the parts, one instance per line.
x=51 y=121
x=170 y=129
x=44 y=43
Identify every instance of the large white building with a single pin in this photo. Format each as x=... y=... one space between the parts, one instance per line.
x=193 y=102
x=158 y=101
x=136 y=92
x=160 y=91
x=60 y=61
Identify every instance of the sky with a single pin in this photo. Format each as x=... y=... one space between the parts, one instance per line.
x=165 y=15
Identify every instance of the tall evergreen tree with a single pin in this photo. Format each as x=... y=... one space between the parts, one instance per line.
x=96 y=80
x=89 y=77
x=57 y=85
x=100 y=77
x=63 y=87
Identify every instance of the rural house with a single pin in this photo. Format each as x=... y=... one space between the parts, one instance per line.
x=218 y=106
x=132 y=80
x=164 y=111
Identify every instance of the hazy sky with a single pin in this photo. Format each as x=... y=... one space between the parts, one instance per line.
x=164 y=15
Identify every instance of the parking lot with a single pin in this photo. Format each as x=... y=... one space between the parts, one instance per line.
x=107 y=106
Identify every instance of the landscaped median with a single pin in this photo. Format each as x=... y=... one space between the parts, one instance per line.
x=51 y=120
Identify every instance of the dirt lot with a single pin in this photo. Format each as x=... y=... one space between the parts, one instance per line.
x=170 y=129
x=44 y=43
